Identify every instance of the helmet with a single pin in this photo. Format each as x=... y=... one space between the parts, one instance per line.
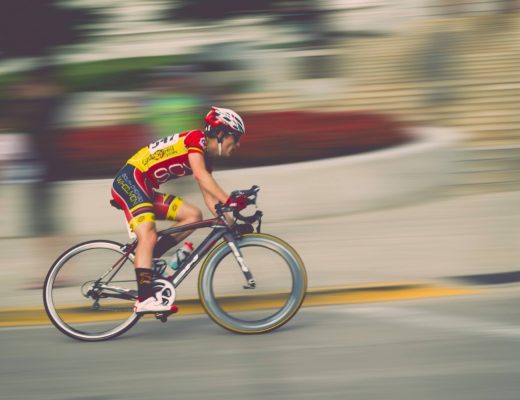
x=224 y=119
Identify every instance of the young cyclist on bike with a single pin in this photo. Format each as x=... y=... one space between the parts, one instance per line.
x=134 y=188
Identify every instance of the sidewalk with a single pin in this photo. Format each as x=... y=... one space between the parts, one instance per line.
x=447 y=237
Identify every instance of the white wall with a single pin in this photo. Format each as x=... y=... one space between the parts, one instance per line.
x=294 y=191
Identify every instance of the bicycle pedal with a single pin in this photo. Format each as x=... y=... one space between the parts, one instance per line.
x=163 y=316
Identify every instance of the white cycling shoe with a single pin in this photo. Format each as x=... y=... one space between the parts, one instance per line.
x=152 y=305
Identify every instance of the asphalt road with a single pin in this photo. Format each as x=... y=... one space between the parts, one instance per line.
x=465 y=347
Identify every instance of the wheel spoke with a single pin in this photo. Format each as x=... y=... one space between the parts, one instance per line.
x=83 y=304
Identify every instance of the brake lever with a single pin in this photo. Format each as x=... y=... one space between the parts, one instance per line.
x=252 y=199
x=258 y=227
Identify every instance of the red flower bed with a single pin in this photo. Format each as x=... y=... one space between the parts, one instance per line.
x=284 y=137
x=272 y=138
x=97 y=151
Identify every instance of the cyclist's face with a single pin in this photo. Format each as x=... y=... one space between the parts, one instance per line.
x=229 y=145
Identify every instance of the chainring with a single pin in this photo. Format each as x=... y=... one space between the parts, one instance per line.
x=164 y=291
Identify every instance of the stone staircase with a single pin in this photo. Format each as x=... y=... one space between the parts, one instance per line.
x=461 y=72
x=478 y=88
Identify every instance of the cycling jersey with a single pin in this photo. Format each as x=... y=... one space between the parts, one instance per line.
x=159 y=162
x=167 y=158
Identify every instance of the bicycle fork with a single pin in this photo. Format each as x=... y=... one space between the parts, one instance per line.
x=250 y=281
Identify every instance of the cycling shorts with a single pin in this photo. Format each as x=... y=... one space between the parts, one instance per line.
x=134 y=191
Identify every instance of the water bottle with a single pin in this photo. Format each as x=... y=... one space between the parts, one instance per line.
x=159 y=268
x=180 y=255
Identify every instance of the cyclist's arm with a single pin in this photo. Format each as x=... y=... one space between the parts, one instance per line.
x=210 y=201
x=211 y=191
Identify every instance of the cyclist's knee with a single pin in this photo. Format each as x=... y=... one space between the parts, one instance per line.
x=197 y=215
x=146 y=234
x=190 y=214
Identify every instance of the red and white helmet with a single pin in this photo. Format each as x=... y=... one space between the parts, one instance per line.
x=224 y=119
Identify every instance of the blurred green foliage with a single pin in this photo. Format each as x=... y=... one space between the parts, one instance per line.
x=119 y=74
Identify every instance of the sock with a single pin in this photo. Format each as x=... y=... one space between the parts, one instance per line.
x=144 y=283
x=164 y=244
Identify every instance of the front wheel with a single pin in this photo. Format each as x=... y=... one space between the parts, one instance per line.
x=278 y=293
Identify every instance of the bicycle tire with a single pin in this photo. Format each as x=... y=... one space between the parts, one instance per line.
x=51 y=286
x=216 y=308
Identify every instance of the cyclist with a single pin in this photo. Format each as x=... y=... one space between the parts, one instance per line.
x=134 y=189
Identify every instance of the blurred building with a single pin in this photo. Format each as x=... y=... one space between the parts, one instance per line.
x=432 y=61
x=442 y=63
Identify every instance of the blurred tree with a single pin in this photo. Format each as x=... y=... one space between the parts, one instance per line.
x=31 y=28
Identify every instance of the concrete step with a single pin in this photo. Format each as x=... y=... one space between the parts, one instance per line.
x=495 y=138
x=497 y=101
x=457 y=105
x=479 y=170
x=468 y=104
x=457 y=72
x=462 y=81
x=490 y=127
x=407 y=57
x=461 y=189
x=485 y=112
x=462 y=102
x=413 y=65
x=469 y=84
x=486 y=117
x=481 y=48
x=493 y=163
x=488 y=177
x=491 y=153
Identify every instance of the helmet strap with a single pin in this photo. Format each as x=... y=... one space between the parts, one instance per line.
x=220 y=139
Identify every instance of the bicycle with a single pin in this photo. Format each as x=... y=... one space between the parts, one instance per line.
x=234 y=298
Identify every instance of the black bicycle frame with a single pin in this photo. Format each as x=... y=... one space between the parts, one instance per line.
x=220 y=231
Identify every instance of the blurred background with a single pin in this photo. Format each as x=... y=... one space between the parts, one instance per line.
x=85 y=83
x=110 y=76
x=385 y=135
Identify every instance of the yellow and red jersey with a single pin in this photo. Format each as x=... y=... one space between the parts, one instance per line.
x=167 y=158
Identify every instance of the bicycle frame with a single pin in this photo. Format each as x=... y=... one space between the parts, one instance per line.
x=221 y=230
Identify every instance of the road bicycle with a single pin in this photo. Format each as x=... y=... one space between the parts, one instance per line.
x=250 y=282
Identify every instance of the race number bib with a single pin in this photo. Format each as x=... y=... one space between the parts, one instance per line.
x=163 y=143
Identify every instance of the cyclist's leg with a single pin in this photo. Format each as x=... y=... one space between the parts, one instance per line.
x=187 y=214
x=146 y=240
x=173 y=208
x=133 y=191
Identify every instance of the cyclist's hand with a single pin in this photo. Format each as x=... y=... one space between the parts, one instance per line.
x=237 y=202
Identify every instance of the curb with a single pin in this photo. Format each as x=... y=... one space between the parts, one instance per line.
x=32 y=316
x=496 y=278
